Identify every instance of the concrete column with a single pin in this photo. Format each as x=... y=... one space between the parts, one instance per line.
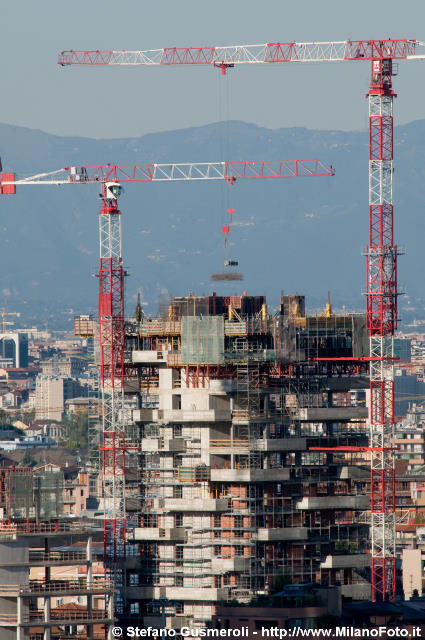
x=266 y=404
x=47 y=630
x=232 y=435
x=20 y=619
x=47 y=567
x=89 y=556
x=110 y=607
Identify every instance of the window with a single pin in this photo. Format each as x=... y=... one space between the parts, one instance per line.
x=179 y=519
x=134 y=608
x=179 y=553
x=82 y=493
x=238 y=522
x=217 y=522
x=133 y=580
x=179 y=607
x=179 y=581
x=177 y=431
x=177 y=401
x=177 y=492
x=238 y=550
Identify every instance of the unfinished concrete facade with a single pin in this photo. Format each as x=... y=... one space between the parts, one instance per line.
x=232 y=400
x=53 y=583
x=44 y=608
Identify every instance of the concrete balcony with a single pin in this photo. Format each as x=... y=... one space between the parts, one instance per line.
x=144 y=415
x=288 y=533
x=281 y=444
x=356 y=591
x=177 y=622
x=152 y=621
x=158 y=533
x=190 y=594
x=250 y=475
x=345 y=383
x=223 y=565
x=148 y=356
x=45 y=559
x=195 y=594
x=194 y=504
x=56 y=558
x=331 y=414
x=353 y=472
x=193 y=415
x=58 y=588
x=346 y=561
x=57 y=617
x=334 y=502
x=222 y=387
x=174 y=445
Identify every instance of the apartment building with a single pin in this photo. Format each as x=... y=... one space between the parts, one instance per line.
x=233 y=492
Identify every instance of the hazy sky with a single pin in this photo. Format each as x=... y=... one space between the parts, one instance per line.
x=121 y=102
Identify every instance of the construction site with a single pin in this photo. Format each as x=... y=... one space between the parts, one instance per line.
x=239 y=451
x=233 y=496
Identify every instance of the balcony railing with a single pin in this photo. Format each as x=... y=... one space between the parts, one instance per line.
x=229 y=444
x=57 y=556
x=62 y=586
x=44 y=527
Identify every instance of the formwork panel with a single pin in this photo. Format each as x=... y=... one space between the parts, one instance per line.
x=202 y=340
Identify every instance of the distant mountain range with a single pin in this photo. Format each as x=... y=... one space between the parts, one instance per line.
x=296 y=235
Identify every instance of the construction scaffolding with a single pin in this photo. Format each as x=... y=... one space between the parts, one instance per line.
x=25 y=495
x=232 y=401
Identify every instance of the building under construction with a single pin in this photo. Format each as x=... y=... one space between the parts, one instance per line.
x=52 y=578
x=233 y=495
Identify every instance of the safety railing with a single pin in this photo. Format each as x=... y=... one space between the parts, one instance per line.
x=229 y=444
x=62 y=586
x=57 y=556
x=44 y=527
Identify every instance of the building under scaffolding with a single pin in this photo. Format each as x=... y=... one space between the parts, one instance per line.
x=51 y=584
x=231 y=496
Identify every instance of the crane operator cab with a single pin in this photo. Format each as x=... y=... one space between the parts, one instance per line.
x=113 y=190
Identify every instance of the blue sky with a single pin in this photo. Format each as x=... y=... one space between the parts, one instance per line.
x=124 y=102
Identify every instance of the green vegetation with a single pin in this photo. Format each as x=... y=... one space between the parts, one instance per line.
x=279 y=583
x=28 y=460
x=346 y=547
x=76 y=431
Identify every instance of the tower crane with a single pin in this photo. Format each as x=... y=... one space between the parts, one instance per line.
x=111 y=299
x=381 y=252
